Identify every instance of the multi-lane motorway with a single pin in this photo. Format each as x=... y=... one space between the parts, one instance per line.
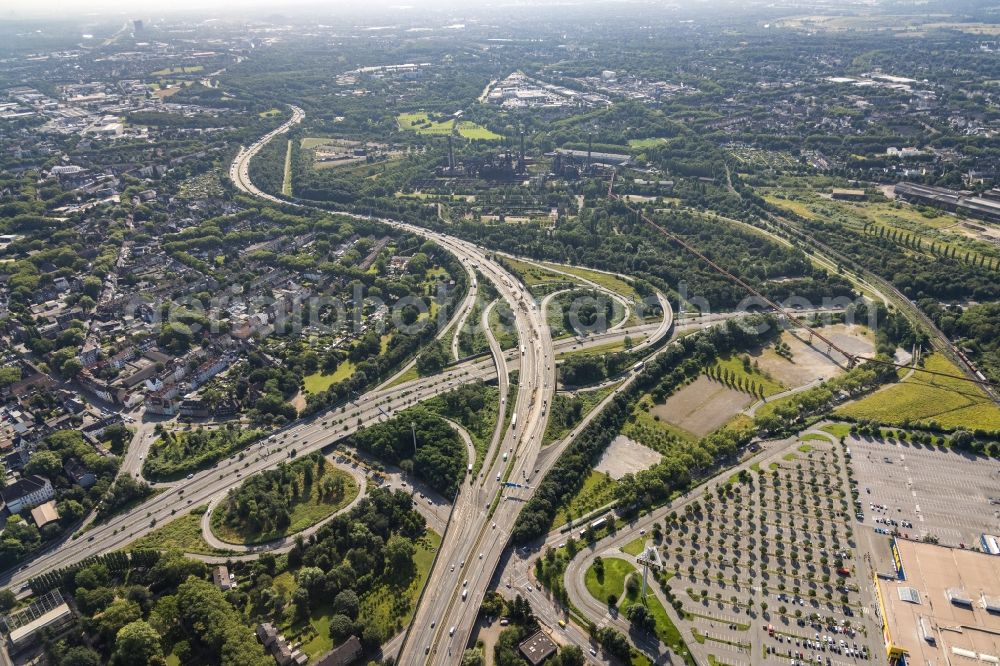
x=486 y=506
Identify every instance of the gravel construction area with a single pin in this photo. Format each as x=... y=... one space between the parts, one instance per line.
x=624 y=456
x=810 y=362
x=702 y=407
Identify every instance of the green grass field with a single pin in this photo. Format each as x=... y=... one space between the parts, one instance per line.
x=635 y=547
x=613 y=581
x=922 y=398
x=734 y=364
x=533 y=274
x=318 y=382
x=641 y=144
x=610 y=282
x=470 y=130
x=596 y=350
x=305 y=513
x=421 y=123
x=313 y=141
x=597 y=490
x=286 y=182
x=410 y=374
x=183 y=534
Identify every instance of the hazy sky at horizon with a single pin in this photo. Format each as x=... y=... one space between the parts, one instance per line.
x=141 y=8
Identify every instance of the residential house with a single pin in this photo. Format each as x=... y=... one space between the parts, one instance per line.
x=346 y=653
x=79 y=474
x=27 y=492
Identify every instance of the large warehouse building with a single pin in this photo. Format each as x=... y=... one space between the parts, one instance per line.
x=984 y=208
x=942 y=607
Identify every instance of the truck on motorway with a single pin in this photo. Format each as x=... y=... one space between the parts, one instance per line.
x=638 y=366
x=505 y=456
x=513 y=422
x=522 y=350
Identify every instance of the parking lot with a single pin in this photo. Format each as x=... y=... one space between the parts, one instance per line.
x=942 y=493
x=766 y=568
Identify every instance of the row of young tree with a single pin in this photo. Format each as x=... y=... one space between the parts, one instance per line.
x=678 y=363
x=914 y=242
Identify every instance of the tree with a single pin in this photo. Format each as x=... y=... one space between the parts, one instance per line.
x=70 y=368
x=138 y=644
x=207 y=616
x=640 y=617
x=44 y=463
x=120 y=613
x=346 y=602
x=571 y=655
x=473 y=657
x=312 y=579
x=7 y=600
x=341 y=627
x=80 y=656
x=399 y=552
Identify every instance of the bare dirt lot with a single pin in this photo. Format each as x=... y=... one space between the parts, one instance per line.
x=810 y=362
x=702 y=406
x=624 y=456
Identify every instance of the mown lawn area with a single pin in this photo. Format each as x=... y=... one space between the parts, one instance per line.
x=318 y=382
x=470 y=130
x=410 y=374
x=612 y=582
x=665 y=628
x=610 y=282
x=182 y=534
x=641 y=144
x=533 y=274
x=312 y=141
x=596 y=350
x=923 y=398
x=837 y=429
x=421 y=123
x=635 y=546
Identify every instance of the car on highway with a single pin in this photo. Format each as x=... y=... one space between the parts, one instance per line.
x=190 y=476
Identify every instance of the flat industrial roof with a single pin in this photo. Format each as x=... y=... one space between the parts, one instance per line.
x=955 y=587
